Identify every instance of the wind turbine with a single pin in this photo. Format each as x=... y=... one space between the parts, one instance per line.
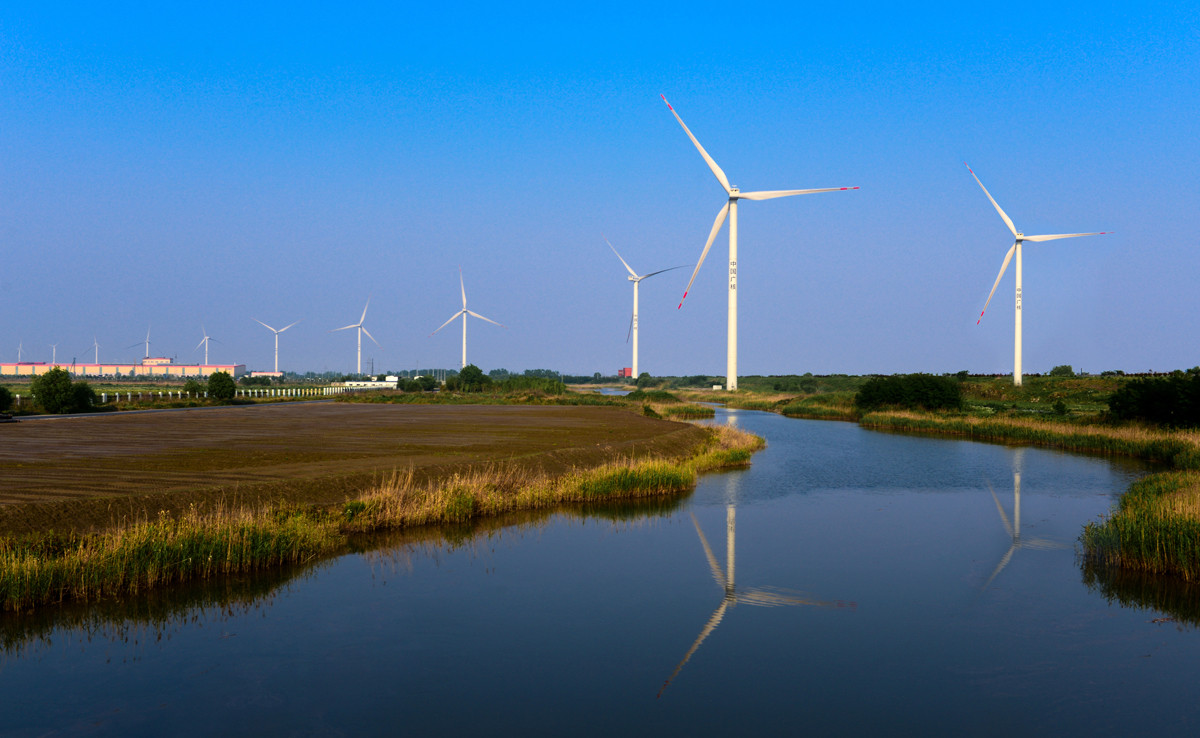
x=281 y=330
x=20 y=344
x=147 y=342
x=464 y=313
x=730 y=209
x=633 y=322
x=54 y=354
x=1014 y=528
x=1016 y=249
x=96 y=346
x=361 y=330
x=731 y=595
x=204 y=342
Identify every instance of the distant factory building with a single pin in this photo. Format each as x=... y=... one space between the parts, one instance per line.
x=149 y=367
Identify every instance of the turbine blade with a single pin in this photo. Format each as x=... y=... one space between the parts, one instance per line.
x=629 y=335
x=1057 y=236
x=1003 y=517
x=364 y=315
x=443 y=325
x=352 y=325
x=462 y=287
x=709 y=627
x=364 y=330
x=289 y=325
x=477 y=315
x=1003 y=563
x=1007 y=221
x=202 y=340
x=1007 y=258
x=718 y=575
x=660 y=271
x=711 y=164
x=771 y=194
x=264 y=325
x=614 y=249
x=772 y=598
x=712 y=235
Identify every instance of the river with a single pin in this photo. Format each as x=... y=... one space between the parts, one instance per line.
x=848 y=582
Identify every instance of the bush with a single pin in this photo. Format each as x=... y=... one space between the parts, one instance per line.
x=192 y=387
x=1063 y=370
x=472 y=379
x=910 y=391
x=1171 y=401
x=221 y=386
x=53 y=391
x=6 y=399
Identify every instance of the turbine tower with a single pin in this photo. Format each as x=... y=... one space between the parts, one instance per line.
x=54 y=354
x=464 y=313
x=633 y=322
x=281 y=330
x=1016 y=249
x=20 y=344
x=361 y=330
x=730 y=209
x=96 y=346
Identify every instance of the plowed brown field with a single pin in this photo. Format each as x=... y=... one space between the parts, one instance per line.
x=86 y=472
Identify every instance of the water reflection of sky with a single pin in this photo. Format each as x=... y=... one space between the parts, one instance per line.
x=573 y=624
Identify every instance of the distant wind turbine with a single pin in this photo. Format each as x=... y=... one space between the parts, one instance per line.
x=54 y=354
x=1016 y=249
x=281 y=330
x=633 y=322
x=361 y=330
x=96 y=346
x=730 y=209
x=1014 y=528
x=464 y=313
x=769 y=597
x=20 y=344
x=204 y=342
x=147 y=342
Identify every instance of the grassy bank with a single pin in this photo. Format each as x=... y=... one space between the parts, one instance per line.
x=200 y=544
x=1155 y=528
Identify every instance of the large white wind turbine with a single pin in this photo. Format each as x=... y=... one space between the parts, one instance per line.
x=730 y=209
x=204 y=342
x=281 y=330
x=361 y=330
x=1016 y=249
x=464 y=313
x=1014 y=528
x=732 y=596
x=633 y=322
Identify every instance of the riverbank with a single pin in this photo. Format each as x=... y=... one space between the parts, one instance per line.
x=133 y=557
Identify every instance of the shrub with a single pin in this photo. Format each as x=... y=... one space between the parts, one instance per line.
x=910 y=391
x=192 y=387
x=6 y=399
x=1173 y=400
x=221 y=386
x=1063 y=370
x=53 y=391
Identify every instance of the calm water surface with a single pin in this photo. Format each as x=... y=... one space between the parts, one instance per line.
x=848 y=582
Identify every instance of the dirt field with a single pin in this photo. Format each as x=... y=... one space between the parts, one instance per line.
x=87 y=472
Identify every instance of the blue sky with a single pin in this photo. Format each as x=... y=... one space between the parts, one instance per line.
x=179 y=167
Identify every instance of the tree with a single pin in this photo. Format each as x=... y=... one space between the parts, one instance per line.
x=644 y=380
x=472 y=379
x=910 y=390
x=6 y=399
x=53 y=390
x=192 y=387
x=221 y=386
x=1063 y=370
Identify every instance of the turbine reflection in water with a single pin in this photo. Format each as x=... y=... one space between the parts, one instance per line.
x=726 y=580
x=1014 y=528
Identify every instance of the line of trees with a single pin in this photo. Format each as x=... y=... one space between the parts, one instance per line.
x=910 y=391
x=1173 y=400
